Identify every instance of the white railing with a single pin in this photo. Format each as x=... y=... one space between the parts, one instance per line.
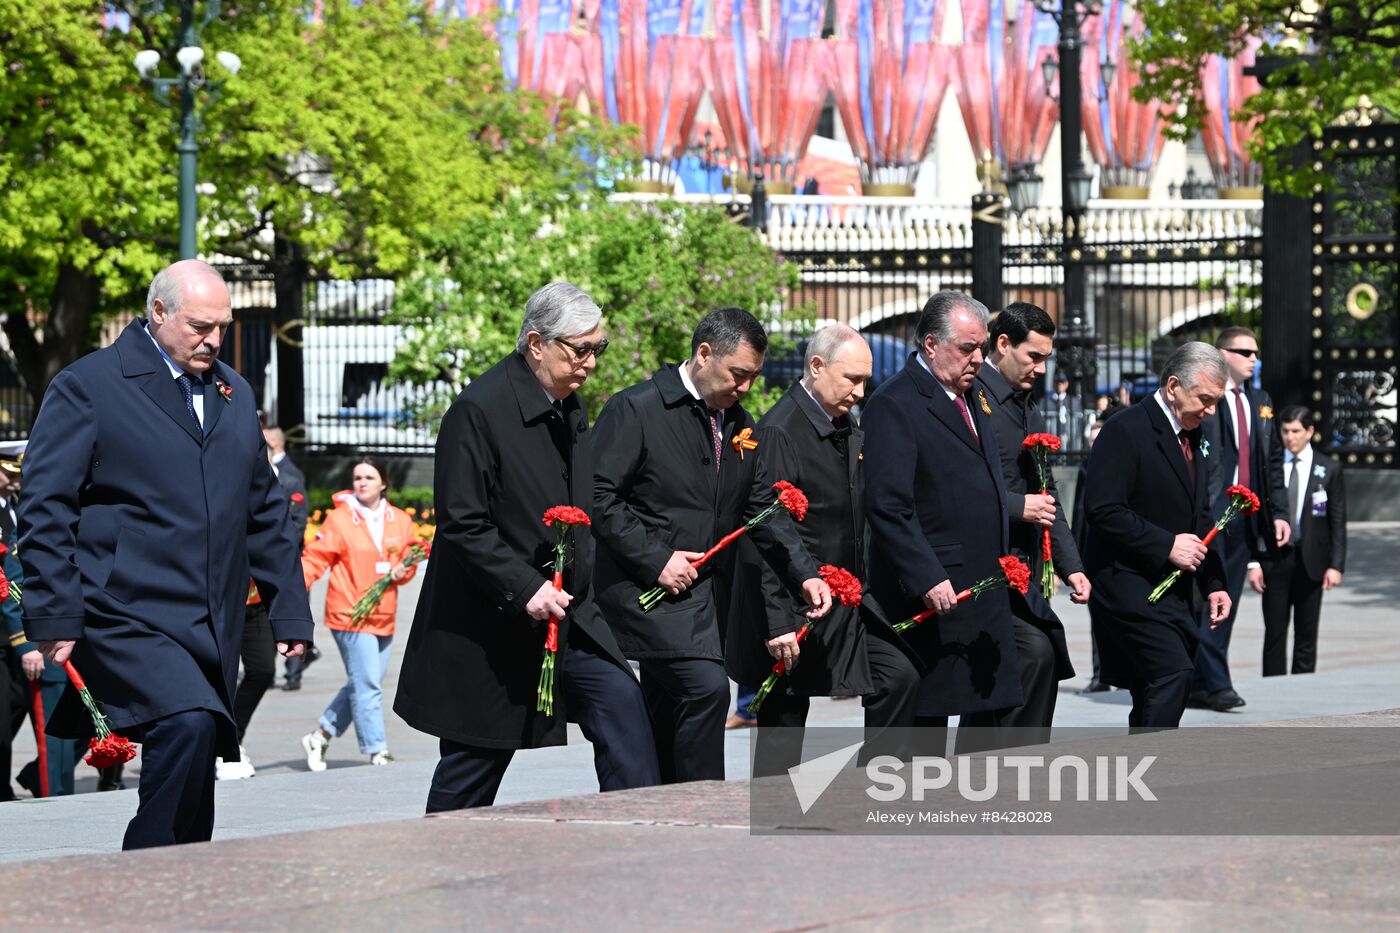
x=828 y=223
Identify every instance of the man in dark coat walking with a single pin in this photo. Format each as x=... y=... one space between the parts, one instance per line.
x=154 y=506
x=1022 y=340
x=810 y=438
x=936 y=504
x=673 y=476
x=1316 y=553
x=1246 y=450
x=1147 y=507
x=514 y=444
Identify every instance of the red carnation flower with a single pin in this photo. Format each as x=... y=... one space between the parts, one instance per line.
x=109 y=751
x=298 y=498
x=1017 y=573
x=1051 y=441
x=844 y=585
x=4 y=587
x=1249 y=502
x=566 y=515
x=792 y=499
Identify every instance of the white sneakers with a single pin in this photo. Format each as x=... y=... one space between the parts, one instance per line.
x=234 y=770
x=315 y=745
x=382 y=758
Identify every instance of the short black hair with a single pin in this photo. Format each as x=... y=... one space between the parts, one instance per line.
x=725 y=329
x=1018 y=320
x=1061 y=375
x=1299 y=414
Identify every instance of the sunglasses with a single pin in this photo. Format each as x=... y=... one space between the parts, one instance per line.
x=582 y=353
x=1238 y=352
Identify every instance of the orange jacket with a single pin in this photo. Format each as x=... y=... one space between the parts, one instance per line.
x=344 y=546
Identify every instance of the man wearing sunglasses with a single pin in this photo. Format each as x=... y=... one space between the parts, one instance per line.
x=1241 y=445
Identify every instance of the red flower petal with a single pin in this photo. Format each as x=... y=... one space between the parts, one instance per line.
x=792 y=499
x=113 y=750
x=566 y=515
x=1050 y=441
x=844 y=585
x=1017 y=573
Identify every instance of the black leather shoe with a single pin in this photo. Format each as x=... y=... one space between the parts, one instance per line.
x=1095 y=687
x=1226 y=699
x=110 y=778
x=292 y=684
x=1199 y=699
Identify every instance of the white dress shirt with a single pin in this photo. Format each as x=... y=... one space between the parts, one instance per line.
x=176 y=372
x=1303 y=461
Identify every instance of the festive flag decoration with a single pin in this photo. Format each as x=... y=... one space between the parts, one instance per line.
x=1006 y=106
x=1124 y=135
x=1225 y=88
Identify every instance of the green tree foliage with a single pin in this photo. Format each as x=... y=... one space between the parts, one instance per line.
x=351 y=139
x=1332 y=53
x=655 y=269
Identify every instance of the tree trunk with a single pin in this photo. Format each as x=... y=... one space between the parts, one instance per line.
x=67 y=331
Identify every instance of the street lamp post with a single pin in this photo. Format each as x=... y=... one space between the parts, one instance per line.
x=190 y=58
x=1075 y=182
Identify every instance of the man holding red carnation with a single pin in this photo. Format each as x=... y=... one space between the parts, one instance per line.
x=811 y=438
x=1022 y=340
x=937 y=507
x=1148 y=505
x=673 y=476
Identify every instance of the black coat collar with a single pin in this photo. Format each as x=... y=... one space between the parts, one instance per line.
x=532 y=397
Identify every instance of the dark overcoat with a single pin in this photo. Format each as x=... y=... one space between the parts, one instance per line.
x=658 y=492
x=936 y=503
x=802 y=445
x=472 y=665
x=1138 y=497
x=1266 y=468
x=1014 y=418
x=138 y=537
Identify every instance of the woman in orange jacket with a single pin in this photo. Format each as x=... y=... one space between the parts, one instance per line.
x=359 y=543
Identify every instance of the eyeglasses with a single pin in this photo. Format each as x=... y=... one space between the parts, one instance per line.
x=582 y=353
x=1238 y=352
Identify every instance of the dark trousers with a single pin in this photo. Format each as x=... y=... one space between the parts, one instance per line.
x=1212 y=657
x=63 y=754
x=14 y=702
x=259 y=655
x=1287 y=587
x=606 y=703
x=177 y=782
x=687 y=700
x=1035 y=654
x=889 y=713
x=1159 y=703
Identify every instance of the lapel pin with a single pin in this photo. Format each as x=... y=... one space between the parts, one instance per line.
x=986 y=409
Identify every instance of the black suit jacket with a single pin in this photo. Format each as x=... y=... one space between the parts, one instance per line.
x=138 y=537
x=1014 y=418
x=1322 y=543
x=1266 y=466
x=1138 y=497
x=657 y=492
x=936 y=503
x=290 y=477
x=472 y=664
x=802 y=445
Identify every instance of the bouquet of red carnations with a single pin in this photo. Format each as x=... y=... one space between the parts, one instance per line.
x=1040 y=447
x=563 y=518
x=1014 y=574
x=418 y=552
x=8 y=589
x=1242 y=500
x=108 y=748
x=846 y=588
x=789 y=497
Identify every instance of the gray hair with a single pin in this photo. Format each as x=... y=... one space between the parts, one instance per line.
x=168 y=285
x=558 y=310
x=937 y=316
x=1193 y=362
x=828 y=342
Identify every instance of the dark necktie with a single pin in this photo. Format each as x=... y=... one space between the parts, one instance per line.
x=716 y=435
x=967 y=415
x=187 y=386
x=1294 y=491
x=1242 y=422
x=1190 y=456
x=559 y=408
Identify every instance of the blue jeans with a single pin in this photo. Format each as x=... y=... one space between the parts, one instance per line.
x=744 y=698
x=366 y=658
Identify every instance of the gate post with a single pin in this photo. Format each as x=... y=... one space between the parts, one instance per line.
x=1285 y=288
x=988 y=209
x=287 y=323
